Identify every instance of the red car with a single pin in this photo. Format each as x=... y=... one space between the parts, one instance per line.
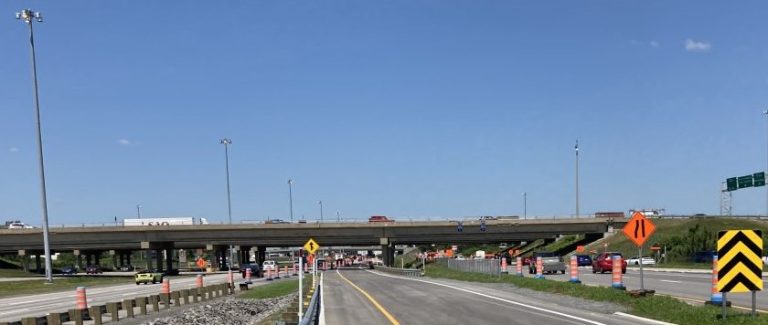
x=603 y=262
x=380 y=219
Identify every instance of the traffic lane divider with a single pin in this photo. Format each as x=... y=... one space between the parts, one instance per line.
x=373 y=301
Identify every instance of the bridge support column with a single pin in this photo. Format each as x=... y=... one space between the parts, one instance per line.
x=23 y=256
x=261 y=254
x=78 y=259
x=37 y=263
x=159 y=259
x=387 y=251
x=169 y=258
x=245 y=255
x=157 y=248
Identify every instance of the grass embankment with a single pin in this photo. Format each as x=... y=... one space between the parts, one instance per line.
x=276 y=289
x=656 y=307
x=14 y=273
x=17 y=288
x=682 y=238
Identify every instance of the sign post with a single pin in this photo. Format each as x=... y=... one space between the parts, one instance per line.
x=638 y=229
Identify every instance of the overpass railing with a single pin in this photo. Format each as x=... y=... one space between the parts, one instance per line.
x=399 y=271
x=492 y=267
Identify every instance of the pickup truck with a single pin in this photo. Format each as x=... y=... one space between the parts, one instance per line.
x=550 y=262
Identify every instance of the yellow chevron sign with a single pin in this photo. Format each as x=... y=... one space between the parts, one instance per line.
x=739 y=266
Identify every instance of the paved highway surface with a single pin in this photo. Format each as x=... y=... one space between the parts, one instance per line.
x=693 y=287
x=366 y=297
x=13 y=309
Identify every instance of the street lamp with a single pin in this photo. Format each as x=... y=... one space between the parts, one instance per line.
x=338 y=216
x=525 y=205
x=290 y=197
x=226 y=142
x=321 y=210
x=28 y=16
x=138 y=211
x=577 y=177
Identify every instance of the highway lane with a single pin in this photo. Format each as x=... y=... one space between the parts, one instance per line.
x=14 y=308
x=386 y=299
x=694 y=287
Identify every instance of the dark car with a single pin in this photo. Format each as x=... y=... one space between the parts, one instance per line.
x=69 y=270
x=583 y=260
x=126 y=268
x=93 y=269
x=703 y=256
x=171 y=272
x=604 y=262
x=255 y=270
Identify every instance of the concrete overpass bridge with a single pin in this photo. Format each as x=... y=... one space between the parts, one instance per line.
x=123 y=240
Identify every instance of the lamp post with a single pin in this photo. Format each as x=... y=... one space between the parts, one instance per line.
x=290 y=197
x=138 y=211
x=321 y=210
x=226 y=142
x=525 y=205
x=576 y=148
x=338 y=216
x=27 y=16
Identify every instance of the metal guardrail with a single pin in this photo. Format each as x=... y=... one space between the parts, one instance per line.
x=398 y=271
x=312 y=315
x=492 y=267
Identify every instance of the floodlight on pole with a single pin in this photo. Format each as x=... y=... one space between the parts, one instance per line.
x=28 y=16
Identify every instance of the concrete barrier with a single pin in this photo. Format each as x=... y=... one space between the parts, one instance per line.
x=128 y=305
x=403 y=272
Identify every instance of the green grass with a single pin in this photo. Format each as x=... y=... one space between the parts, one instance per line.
x=667 y=228
x=656 y=307
x=14 y=273
x=16 y=288
x=276 y=289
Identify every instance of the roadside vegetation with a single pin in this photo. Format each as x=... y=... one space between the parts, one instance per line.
x=18 y=288
x=682 y=239
x=655 y=307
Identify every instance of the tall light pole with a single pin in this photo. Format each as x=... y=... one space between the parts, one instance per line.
x=28 y=16
x=525 y=205
x=577 y=177
x=226 y=142
x=321 y=210
x=138 y=211
x=290 y=197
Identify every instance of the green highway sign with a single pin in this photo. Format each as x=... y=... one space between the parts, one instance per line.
x=745 y=181
x=754 y=180
x=759 y=179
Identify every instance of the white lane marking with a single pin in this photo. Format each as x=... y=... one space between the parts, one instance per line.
x=671 y=281
x=15 y=311
x=499 y=299
x=21 y=302
x=322 y=301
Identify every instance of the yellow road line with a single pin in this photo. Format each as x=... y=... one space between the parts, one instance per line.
x=373 y=301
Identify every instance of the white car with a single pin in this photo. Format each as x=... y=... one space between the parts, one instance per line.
x=636 y=261
x=269 y=265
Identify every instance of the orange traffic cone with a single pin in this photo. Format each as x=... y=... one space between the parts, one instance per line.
x=199 y=281
x=81 y=303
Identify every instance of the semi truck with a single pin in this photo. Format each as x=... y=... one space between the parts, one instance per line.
x=165 y=221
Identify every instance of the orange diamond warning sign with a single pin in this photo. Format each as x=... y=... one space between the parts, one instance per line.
x=639 y=228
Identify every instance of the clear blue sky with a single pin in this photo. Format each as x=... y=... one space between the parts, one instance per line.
x=400 y=108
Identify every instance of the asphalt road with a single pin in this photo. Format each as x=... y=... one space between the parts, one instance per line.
x=692 y=287
x=365 y=297
x=13 y=309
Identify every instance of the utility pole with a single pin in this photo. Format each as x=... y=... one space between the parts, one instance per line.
x=577 y=177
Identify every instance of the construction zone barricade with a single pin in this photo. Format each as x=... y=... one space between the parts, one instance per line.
x=113 y=312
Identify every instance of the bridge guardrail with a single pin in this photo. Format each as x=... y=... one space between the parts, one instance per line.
x=398 y=271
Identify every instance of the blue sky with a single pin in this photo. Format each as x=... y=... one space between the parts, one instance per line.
x=410 y=109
